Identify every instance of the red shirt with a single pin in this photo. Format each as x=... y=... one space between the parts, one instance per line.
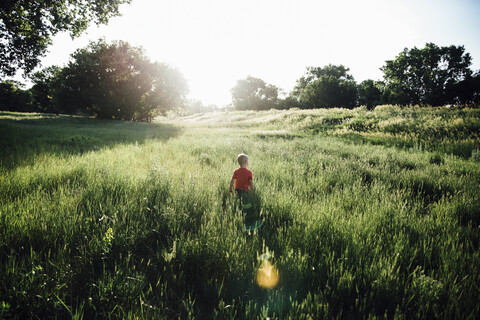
x=242 y=178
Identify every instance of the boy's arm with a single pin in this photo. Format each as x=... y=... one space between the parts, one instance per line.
x=252 y=187
x=231 y=186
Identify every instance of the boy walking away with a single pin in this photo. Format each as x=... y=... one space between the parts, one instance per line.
x=242 y=177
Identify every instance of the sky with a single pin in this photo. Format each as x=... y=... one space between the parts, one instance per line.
x=214 y=43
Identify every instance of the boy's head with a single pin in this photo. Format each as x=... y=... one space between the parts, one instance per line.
x=242 y=159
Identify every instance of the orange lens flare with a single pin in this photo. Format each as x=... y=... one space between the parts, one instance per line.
x=267 y=275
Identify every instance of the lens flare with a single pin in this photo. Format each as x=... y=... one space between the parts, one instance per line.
x=267 y=275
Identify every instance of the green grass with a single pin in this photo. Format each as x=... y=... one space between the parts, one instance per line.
x=367 y=215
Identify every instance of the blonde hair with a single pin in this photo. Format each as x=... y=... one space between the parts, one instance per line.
x=242 y=159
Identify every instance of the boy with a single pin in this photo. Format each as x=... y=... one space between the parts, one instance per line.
x=242 y=177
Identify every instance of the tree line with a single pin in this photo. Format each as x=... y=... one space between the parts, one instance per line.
x=431 y=76
x=118 y=81
x=108 y=81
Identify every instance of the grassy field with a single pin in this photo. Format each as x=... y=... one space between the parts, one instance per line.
x=366 y=215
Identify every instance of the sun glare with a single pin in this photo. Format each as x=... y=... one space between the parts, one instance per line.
x=214 y=43
x=267 y=275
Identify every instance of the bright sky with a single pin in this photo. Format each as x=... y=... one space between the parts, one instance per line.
x=214 y=43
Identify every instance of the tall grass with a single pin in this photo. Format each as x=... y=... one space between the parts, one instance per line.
x=142 y=225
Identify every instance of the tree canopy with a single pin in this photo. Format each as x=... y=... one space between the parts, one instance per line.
x=117 y=81
x=27 y=27
x=327 y=87
x=14 y=98
x=370 y=93
x=426 y=76
x=42 y=89
x=254 y=94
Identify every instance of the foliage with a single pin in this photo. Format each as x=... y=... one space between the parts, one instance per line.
x=196 y=106
x=466 y=91
x=476 y=155
x=112 y=219
x=288 y=102
x=14 y=98
x=327 y=87
x=436 y=159
x=117 y=81
x=27 y=27
x=426 y=76
x=43 y=88
x=370 y=93
x=254 y=94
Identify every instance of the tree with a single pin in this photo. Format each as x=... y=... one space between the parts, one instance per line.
x=14 y=98
x=327 y=87
x=370 y=93
x=42 y=89
x=117 y=81
x=27 y=27
x=194 y=106
x=288 y=102
x=423 y=76
x=254 y=94
x=466 y=91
